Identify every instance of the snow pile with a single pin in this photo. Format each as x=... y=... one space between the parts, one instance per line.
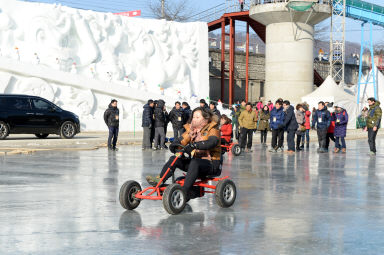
x=100 y=56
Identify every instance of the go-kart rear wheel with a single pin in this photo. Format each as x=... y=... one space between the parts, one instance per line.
x=174 y=199
x=127 y=195
x=225 y=193
x=236 y=150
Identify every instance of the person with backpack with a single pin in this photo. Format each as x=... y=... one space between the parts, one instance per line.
x=340 y=117
x=276 y=122
x=373 y=123
x=322 y=121
x=176 y=116
x=159 y=125
x=111 y=118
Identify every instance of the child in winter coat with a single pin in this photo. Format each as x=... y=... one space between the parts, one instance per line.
x=340 y=117
x=226 y=129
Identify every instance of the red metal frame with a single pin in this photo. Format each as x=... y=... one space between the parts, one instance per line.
x=260 y=30
x=155 y=193
x=228 y=147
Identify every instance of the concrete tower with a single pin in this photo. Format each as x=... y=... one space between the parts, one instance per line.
x=289 y=45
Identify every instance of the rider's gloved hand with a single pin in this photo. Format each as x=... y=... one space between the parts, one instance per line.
x=173 y=147
x=189 y=148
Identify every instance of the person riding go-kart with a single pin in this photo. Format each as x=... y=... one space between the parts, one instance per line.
x=201 y=140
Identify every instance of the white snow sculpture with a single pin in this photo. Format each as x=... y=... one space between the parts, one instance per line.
x=142 y=52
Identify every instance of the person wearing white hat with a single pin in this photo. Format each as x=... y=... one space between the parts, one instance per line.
x=340 y=117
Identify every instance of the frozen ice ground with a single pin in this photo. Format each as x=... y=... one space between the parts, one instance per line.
x=67 y=203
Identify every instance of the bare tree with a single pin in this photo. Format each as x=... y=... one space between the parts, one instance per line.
x=379 y=48
x=177 y=10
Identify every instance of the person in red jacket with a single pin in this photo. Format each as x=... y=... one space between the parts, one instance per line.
x=307 y=124
x=226 y=129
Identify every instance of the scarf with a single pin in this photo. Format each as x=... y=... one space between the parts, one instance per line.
x=196 y=127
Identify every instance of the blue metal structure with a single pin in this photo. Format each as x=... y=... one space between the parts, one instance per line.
x=370 y=14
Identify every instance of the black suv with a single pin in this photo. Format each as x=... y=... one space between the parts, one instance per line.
x=22 y=114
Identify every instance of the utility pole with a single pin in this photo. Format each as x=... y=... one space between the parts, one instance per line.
x=162 y=9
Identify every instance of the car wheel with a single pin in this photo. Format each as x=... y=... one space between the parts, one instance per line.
x=68 y=130
x=225 y=193
x=4 y=130
x=41 y=136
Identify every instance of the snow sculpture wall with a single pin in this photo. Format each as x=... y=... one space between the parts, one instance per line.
x=81 y=59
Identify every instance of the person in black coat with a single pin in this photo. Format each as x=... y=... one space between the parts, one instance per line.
x=187 y=112
x=111 y=119
x=204 y=104
x=290 y=124
x=176 y=116
x=212 y=107
x=147 y=124
x=160 y=120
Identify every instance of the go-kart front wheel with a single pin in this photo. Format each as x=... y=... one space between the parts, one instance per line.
x=236 y=150
x=127 y=195
x=174 y=199
x=225 y=193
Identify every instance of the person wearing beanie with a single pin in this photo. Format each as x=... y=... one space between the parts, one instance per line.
x=147 y=124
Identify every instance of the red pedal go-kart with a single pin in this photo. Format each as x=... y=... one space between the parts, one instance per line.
x=173 y=196
x=233 y=147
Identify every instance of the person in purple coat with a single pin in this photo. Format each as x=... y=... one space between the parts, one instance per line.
x=340 y=117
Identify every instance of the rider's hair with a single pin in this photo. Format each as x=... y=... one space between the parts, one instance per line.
x=207 y=114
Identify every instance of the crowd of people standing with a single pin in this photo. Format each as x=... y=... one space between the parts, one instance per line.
x=330 y=120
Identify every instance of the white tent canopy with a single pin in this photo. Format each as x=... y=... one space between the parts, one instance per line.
x=329 y=91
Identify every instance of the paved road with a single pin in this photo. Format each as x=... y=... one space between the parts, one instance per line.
x=67 y=203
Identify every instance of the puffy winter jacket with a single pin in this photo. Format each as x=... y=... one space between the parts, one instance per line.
x=374 y=115
x=216 y=112
x=147 y=119
x=248 y=120
x=263 y=120
x=159 y=115
x=187 y=114
x=308 y=119
x=111 y=116
x=290 y=122
x=277 y=118
x=341 y=122
x=176 y=117
x=331 y=128
x=226 y=132
x=322 y=118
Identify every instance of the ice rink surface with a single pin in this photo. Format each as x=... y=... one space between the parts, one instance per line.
x=67 y=203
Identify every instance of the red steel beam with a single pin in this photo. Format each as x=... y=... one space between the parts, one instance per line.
x=222 y=58
x=247 y=64
x=231 y=58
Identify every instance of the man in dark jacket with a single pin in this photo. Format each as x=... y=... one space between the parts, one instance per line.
x=322 y=118
x=147 y=124
x=111 y=118
x=176 y=116
x=373 y=123
x=212 y=107
x=277 y=125
x=187 y=112
x=160 y=121
x=290 y=124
